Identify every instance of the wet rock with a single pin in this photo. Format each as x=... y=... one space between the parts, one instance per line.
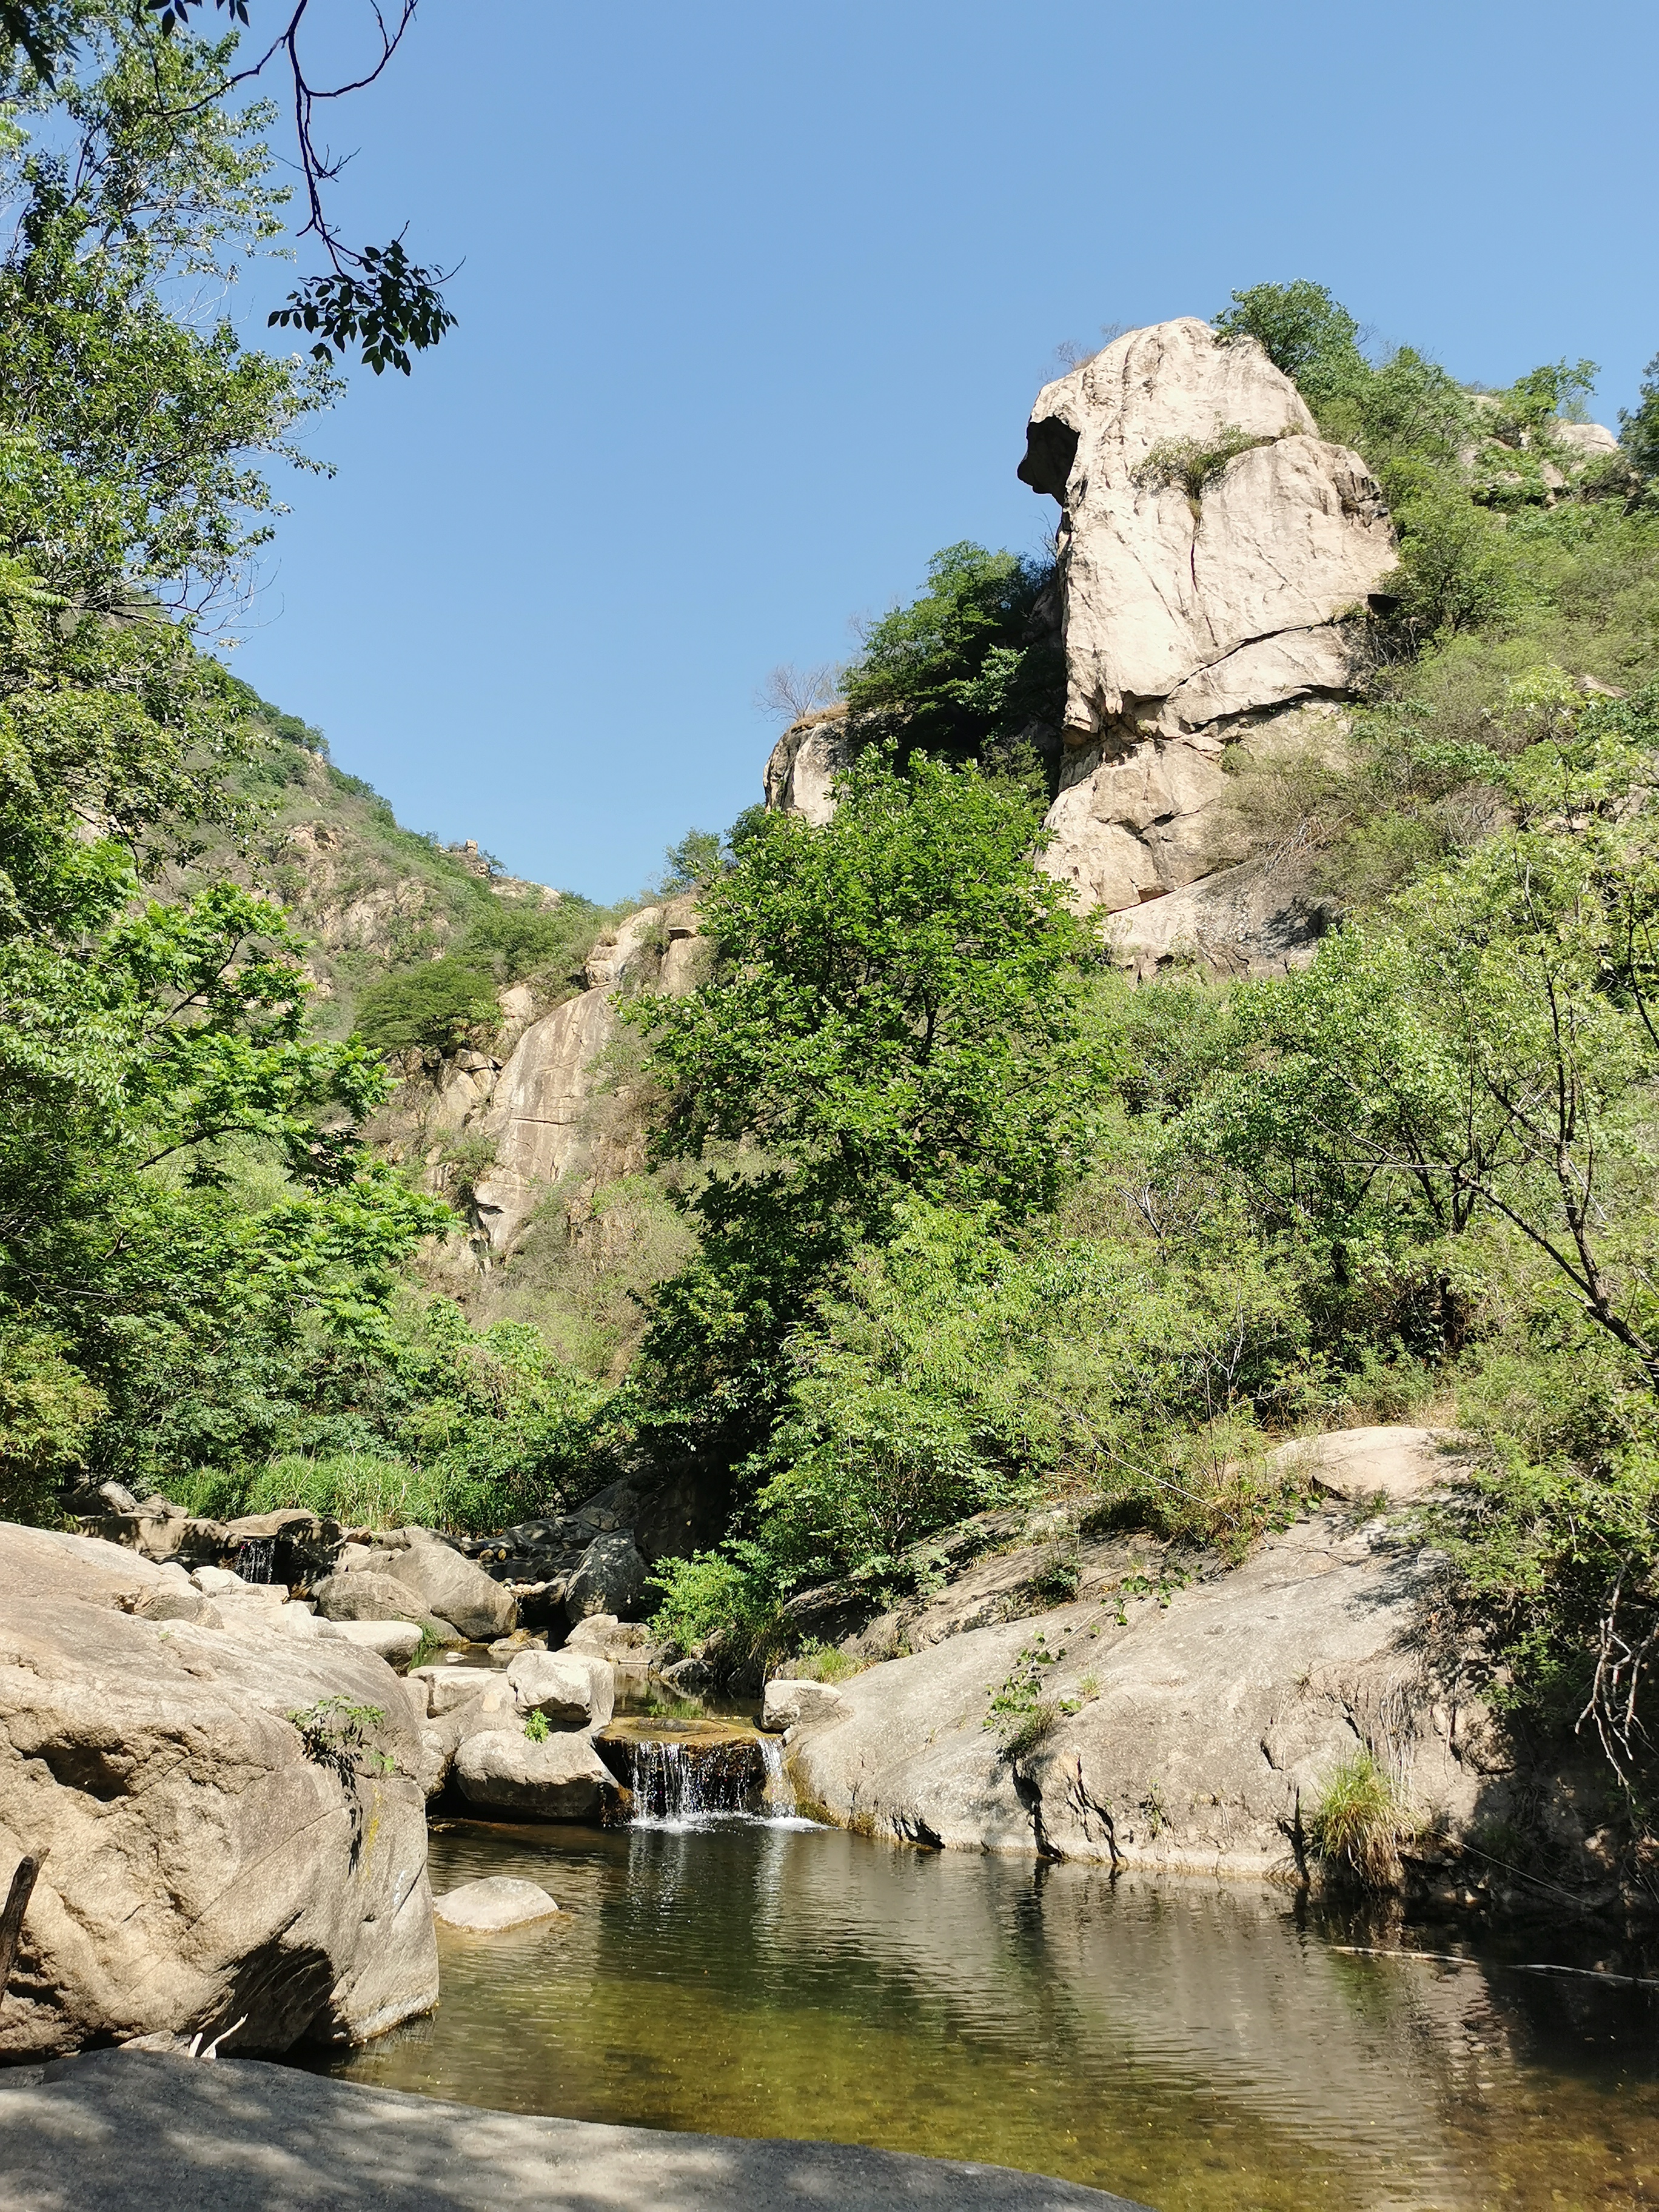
x=496 y=1903
x=561 y=1778
x=571 y=1689
x=202 y=1865
x=610 y=1579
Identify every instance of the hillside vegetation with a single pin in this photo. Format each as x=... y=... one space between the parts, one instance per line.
x=941 y=1211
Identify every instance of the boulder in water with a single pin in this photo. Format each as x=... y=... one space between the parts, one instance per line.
x=561 y=1778
x=788 y=1703
x=494 y=1904
x=571 y=1689
x=609 y=1578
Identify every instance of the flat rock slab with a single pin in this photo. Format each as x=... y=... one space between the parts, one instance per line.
x=134 y=2131
x=496 y=1903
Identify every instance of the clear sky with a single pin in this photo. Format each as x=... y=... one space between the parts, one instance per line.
x=756 y=298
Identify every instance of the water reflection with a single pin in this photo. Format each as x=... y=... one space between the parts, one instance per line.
x=1197 y=2049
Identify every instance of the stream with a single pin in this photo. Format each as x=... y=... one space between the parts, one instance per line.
x=1194 y=2047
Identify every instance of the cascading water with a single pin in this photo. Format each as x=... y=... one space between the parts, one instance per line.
x=256 y=1558
x=684 y=1774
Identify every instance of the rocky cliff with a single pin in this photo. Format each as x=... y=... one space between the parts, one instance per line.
x=1215 y=551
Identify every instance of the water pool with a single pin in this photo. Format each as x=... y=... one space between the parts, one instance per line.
x=1197 y=2048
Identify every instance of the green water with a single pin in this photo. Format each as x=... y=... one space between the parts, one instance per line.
x=1195 y=2048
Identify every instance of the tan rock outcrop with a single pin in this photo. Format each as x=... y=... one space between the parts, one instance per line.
x=804 y=762
x=1199 y=595
x=1195 y=1730
x=203 y=1867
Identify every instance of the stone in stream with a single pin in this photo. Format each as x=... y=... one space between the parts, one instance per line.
x=569 y=1688
x=496 y=1903
x=448 y=1584
x=366 y=1595
x=393 y=1640
x=561 y=1778
x=609 y=1578
x=446 y=1688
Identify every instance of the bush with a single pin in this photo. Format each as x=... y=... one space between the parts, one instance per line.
x=1358 y=1823
x=439 y=1007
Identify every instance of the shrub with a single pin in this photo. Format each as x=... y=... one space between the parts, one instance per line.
x=439 y=1007
x=1192 y=463
x=1359 y=1825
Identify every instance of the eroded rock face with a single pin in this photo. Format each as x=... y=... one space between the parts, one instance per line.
x=804 y=762
x=202 y=1865
x=1199 y=597
x=1201 y=1727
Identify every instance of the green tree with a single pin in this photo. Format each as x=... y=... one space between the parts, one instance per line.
x=965 y=669
x=1638 y=434
x=900 y=1011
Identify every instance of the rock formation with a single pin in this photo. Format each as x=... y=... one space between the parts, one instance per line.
x=1193 y=1736
x=540 y=1115
x=804 y=763
x=205 y=1867
x=1212 y=546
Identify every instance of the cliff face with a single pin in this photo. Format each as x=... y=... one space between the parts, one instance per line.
x=1212 y=546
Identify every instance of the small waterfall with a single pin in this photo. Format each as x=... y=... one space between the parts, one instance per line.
x=681 y=1773
x=256 y=1558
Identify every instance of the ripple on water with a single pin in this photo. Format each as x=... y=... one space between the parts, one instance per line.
x=1203 y=2049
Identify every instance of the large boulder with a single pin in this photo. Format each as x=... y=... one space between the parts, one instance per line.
x=1194 y=1738
x=561 y=1778
x=806 y=762
x=569 y=1689
x=204 y=1864
x=1199 y=597
x=448 y=1584
x=1391 y=1462
x=610 y=1577
x=365 y=1595
x=787 y=1703
x=446 y=1689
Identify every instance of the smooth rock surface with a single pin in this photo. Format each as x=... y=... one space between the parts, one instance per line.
x=572 y=1689
x=392 y=1640
x=130 y=2132
x=1201 y=1727
x=494 y=1903
x=448 y=1584
x=446 y=1688
x=787 y=1703
x=561 y=1778
x=366 y=1595
x=202 y=1866
x=1391 y=1461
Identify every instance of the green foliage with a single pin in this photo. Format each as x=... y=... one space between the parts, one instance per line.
x=1193 y=463
x=962 y=670
x=900 y=1011
x=1358 y=1825
x=48 y=1412
x=336 y=1735
x=732 y=1593
x=1303 y=331
x=1638 y=434
x=535 y=1727
x=440 y=1006
x=696 y=859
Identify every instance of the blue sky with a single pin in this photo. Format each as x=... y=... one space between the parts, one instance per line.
x=755 y=301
